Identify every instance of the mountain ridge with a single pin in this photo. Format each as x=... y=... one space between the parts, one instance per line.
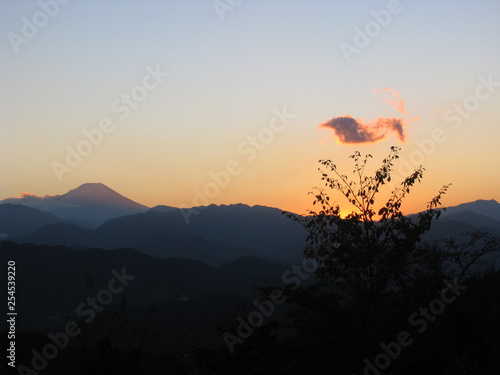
x=489 y=208
x=17 y=219
x=214 y=234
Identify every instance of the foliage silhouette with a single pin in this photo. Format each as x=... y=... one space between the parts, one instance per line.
x=361 y=255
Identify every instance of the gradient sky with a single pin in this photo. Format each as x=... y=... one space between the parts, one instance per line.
x=228 y=77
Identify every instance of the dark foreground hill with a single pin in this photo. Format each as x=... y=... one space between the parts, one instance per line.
x=163 y=315
x=52 y=281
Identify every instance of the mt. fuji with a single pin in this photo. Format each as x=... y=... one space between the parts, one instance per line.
x=90 y=203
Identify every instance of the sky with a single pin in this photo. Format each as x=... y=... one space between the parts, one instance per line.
x=186 y=103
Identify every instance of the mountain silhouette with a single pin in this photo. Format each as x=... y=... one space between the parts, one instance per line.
x=488 y=208
x=483 y=215
x=90 y=204
x=16 y=219
x=472 y=218
x=218 y=234
x=163 y=208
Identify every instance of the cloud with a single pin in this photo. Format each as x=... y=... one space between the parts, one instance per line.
x=32 y=200
x=28 y=195
x=349 y=130
x=397 y=103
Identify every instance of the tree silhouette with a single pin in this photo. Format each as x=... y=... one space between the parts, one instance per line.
x=368 y=251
